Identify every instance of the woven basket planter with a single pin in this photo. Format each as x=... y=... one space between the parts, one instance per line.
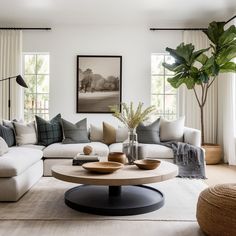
x=216 y=210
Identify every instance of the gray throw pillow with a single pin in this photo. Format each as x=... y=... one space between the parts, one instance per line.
x=75 y=133
x=8 y=135
x=49 y=131
x=149 y=133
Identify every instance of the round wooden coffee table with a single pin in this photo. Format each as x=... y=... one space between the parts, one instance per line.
x=118 y=193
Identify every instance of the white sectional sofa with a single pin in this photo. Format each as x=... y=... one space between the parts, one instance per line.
x=58 y=153
x=23 y=166
x=20 y=169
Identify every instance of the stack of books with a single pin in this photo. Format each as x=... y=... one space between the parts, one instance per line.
x=80 y=159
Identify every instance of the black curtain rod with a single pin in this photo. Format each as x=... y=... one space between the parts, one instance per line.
x=230 y=19
x=16 y=28
x=178 y=29
x=153 y=29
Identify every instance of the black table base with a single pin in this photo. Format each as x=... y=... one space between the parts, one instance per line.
x=114 y=200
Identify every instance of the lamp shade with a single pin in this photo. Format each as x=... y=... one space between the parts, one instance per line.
x=20 y=81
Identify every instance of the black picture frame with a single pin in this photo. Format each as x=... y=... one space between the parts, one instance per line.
x=99 y=83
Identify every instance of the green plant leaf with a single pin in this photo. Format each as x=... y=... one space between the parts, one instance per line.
x=202 y=58
x=179 y=79
x=214 y=31
x=170 y=67
x=174 y=81
x=173 y=53
x=226 y=55
x=185 y=51
x=182 y=53
x=215 y=69
x=198 y=53
x=203 y=77
x=228 y=67
x=228 y=36
x=208 y=64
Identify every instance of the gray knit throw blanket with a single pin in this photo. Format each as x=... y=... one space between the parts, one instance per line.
x=189 y=159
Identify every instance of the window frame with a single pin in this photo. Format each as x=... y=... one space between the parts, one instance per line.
x=36 y=94
x=165 y=76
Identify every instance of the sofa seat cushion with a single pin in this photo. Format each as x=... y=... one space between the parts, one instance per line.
x=34 y=146
x=157 y=151
x=115 y=147
x=59 y=150
x=17 y=160
x=147 y=150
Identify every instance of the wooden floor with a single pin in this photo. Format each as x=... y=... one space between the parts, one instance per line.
x=217 y=174
x=220 y=174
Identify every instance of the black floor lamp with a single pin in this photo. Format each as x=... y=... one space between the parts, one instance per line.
x=19 y=81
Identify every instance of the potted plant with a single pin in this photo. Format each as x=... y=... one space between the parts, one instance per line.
x=131 y=118
x=195 y=68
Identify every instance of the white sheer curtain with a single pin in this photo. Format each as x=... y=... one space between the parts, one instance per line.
x=227 y=115
x=10 y=65
x=187 y=102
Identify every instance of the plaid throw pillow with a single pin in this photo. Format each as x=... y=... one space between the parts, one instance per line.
x=49 y=131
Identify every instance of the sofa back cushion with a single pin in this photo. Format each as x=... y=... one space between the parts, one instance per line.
x=49 y=131
x=149 y=133
x=25 y=133
x=96 y=133
x=3 y=146
x=172 y=130
x=109 y=133
x=75 y=133
x=8 y=135
x=121 y=134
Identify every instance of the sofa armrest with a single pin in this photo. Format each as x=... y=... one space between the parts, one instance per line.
x=192 y=136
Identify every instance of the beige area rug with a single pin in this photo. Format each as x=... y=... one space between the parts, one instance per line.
x=45 y=201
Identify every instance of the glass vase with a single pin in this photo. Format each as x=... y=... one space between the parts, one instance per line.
x=130 y=146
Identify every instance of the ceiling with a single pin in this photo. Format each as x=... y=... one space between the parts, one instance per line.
x=150 y=13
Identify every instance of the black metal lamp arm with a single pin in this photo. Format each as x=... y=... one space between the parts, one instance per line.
x=12 y=77
x=21 y=82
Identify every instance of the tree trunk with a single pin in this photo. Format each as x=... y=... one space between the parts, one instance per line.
x=202 y=125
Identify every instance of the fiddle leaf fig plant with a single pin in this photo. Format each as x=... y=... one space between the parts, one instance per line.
x=201 y=67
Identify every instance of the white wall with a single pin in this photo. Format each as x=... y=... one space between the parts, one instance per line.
x=135 y=45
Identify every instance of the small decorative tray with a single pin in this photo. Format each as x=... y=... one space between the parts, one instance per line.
x=147 y=164
x=102 y=167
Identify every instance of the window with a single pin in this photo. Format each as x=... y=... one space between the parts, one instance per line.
x=36 y=75
x=163 y=95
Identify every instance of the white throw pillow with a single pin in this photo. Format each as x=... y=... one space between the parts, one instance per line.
x=25 y=133
x=121 y=134
x=3 y=146
x=96 y=133
x=172 y=130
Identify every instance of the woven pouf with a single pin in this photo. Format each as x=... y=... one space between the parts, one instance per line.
x=216 y=210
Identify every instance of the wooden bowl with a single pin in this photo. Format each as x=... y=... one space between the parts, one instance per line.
x=147 y=164
x=117 y=157
x=102 y=167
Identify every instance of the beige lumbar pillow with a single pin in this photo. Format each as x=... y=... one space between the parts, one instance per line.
x=109 y=133
x=3 y=146
x=25 y=133
x=172 y=130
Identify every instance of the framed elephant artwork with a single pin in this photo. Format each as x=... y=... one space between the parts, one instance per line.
x=98 y=83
